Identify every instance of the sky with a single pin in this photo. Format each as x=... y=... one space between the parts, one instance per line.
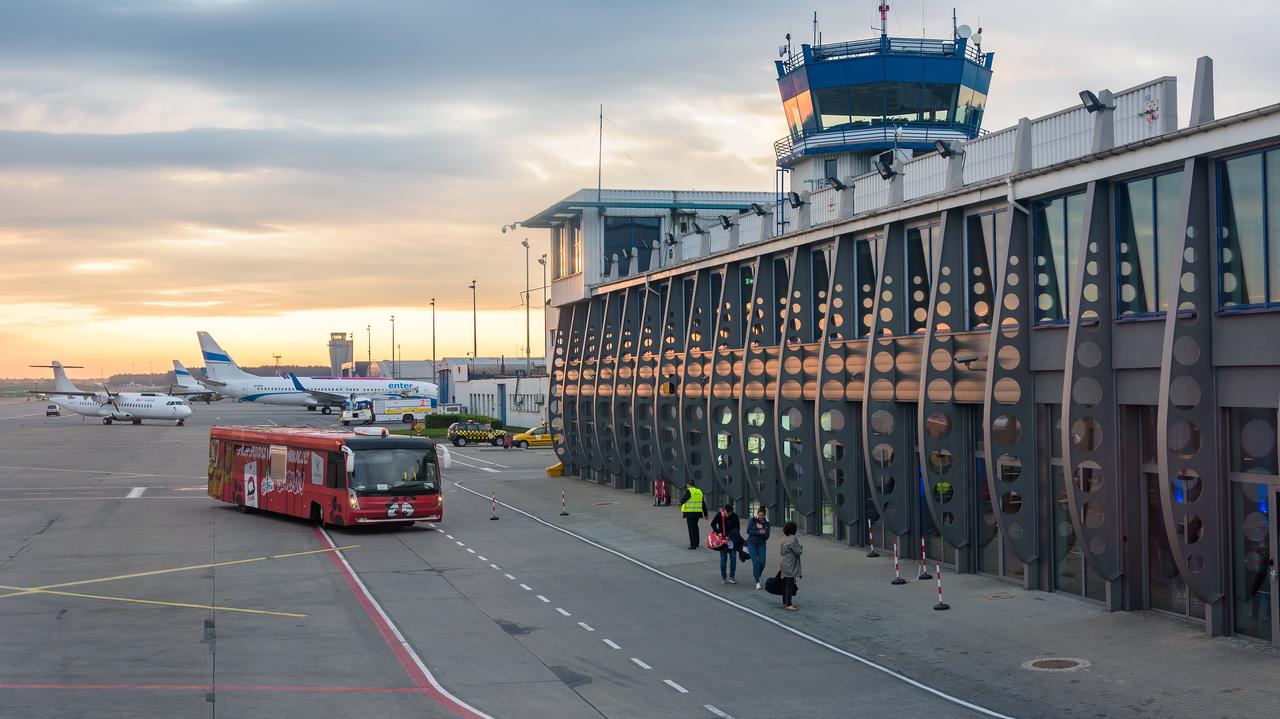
x=275 y=170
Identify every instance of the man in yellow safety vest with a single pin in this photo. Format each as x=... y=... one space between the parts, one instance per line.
x=694 y=507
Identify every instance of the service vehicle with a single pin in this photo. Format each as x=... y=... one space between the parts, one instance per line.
x=469 y=432
x=52 y=410
x=538 y=436
x=330 y=476
x=368 y=411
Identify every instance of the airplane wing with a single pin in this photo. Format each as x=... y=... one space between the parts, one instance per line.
x=64 y=394
x=329 y=397
x=213 y=382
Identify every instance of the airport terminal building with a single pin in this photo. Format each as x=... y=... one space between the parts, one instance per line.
x=1052 y=350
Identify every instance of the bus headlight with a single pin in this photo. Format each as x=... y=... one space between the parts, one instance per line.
x=352 y=499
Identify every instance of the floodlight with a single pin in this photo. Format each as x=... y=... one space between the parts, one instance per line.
x=671 y=239
x=756 y=208
x=1092 y=103
x=697 y=229
x=885 y=169
x=794 y=198
x=946 y=149
x=724 y=222
x=835 y=183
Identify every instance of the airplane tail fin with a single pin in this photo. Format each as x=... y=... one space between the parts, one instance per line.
x=217 y=363
x=183 y=378
x=61 y=383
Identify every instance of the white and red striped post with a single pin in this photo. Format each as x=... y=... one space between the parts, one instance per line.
x=937 y=570
x=563 y=511
x=493 y=499
x=923 y=572
x=871 y=541
x=897 y=566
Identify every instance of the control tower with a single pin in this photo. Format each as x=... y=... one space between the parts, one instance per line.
x=851 y=101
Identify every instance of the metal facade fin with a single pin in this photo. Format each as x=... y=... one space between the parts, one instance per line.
x=1090 y=420
x=797 y=370
x=625 y=383
x=675 y=320
x=559 y=383
x=695 y=381
x=642 y=405
x=885 y=434
x=1008 y=408
x=1192 y=494
x=591 y=456
x=725 y=436
x=946 y=450
x=606 y=376
x=760 y=380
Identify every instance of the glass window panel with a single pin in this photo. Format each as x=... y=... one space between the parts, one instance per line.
x=1068 y=557
x=1169 y=237
x=833 y=107
x=1241 y=233
x=1075 y=232
x=804 y=107
x=865 y=271
x=919 y=242
x=1050 y=265
x=1253 y=440
x=1135 y=246
x=1251 y=556
x=1273 y=223
x=979 y=235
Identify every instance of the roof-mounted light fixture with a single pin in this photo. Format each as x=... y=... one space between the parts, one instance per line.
x=885 y=169
x=670 y=238
x=836 y=184
x=1092 y=103
x=946 y=149
x=756 y=208
x=697 y=229
x=511 y=227
x=724 y=222
x=793 y=197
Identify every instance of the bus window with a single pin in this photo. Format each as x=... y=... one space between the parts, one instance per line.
x=335 y=467
x=279 y=460
x=395 y=471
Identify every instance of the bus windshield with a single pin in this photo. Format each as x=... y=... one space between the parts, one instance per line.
x=394 y=471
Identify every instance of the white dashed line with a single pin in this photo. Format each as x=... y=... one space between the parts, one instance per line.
x=488 y=469
x=548 y=601
x=496 y=567
x=135 y=493
x=586 y=626
x=469 y=549
x=611 y=644
x=562 y=611
x=37 y=492
x=460 y=544
x=482 y=558
x=715 y=711
x=508 y=576
x=675 y=686
x=450 y=536
x=640 y=664
x=526 y=587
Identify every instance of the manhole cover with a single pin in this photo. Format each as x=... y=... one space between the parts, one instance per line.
x=1055 y=664
x=601 y=504
x=999 y=595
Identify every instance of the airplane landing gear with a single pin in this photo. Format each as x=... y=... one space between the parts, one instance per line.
x=324 y=410
x=181 y=422
x=311 y=408
x=106 y=420
x=137 y=421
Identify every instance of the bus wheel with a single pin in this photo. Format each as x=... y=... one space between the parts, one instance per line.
x=323 y=410
x=317 y=514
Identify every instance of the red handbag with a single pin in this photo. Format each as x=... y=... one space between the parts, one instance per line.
x=716 y=540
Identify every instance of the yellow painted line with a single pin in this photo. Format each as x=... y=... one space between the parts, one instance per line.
x=135 y=575
x=154 y=602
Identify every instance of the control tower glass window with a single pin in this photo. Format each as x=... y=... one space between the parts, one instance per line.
x=865 y=104
x=634 y=236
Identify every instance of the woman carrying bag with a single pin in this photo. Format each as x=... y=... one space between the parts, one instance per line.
x=726 y=530
x=791 y=550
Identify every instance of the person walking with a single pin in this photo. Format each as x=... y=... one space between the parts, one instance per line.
x=694 y=507
x=728 y=526
x=790 y=550
x=757 y=535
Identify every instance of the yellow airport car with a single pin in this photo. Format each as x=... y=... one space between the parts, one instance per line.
x=539 y=436
x=463 y=433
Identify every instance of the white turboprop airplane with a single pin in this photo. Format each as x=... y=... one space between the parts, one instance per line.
x=186 y=385
x=224 y=375
x=114 y=406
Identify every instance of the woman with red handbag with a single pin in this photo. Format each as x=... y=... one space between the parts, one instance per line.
x=726 y=536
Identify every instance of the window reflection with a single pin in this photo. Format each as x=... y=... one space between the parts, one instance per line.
x=981 y=232
x=919 y=273
x=1056 y=228
x=629 y=243
x=1243 y=260
x=865 y=276
x=1148 y=242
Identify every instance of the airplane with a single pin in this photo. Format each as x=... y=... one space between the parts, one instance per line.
x=190 y=387
x=113 y=406
x=228 y=379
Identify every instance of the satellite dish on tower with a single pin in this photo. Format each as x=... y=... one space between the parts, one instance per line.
x=977 y=37
x=782 y=51
x=963 y=32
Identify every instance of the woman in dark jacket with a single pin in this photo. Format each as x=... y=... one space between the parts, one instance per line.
x=791 y=550
x=727 y=525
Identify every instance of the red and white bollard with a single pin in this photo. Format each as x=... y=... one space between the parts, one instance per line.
x=923 y=572
x=563 y=511
x=493 y=499
x=871 y=541
x=937 y=569
x=897 y=566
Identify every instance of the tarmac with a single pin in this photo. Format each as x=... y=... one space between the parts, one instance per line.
x=132 y=593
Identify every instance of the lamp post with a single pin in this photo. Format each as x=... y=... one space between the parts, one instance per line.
x=474 y=342
x=543 y=261
x=435 y=375
x=393 y=346
x=528 y=356
x=368 y=349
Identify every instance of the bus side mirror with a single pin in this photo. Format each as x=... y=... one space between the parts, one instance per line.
x=351 y=459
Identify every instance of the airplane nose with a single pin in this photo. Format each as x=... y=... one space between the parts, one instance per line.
x=184 y=412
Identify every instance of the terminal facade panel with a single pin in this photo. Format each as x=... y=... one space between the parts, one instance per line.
x=1059 y=363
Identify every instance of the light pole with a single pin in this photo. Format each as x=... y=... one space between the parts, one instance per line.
x=393 y=346
x=475 y=354
x=434 y=373
x=368 y=349
x=543 y=261
x=528 y=356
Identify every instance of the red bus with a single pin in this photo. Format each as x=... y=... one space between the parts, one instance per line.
x=328 y=476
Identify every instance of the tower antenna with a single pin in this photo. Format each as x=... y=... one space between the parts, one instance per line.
x=884 y=18
x=600 y=156
x=815 y=27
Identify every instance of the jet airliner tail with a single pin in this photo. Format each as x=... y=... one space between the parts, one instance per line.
x=217 y=363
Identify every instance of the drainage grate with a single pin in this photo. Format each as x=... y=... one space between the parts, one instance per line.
x=1055 y=664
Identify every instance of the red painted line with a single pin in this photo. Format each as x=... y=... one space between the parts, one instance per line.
x=222 y=688
x=425 y=682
